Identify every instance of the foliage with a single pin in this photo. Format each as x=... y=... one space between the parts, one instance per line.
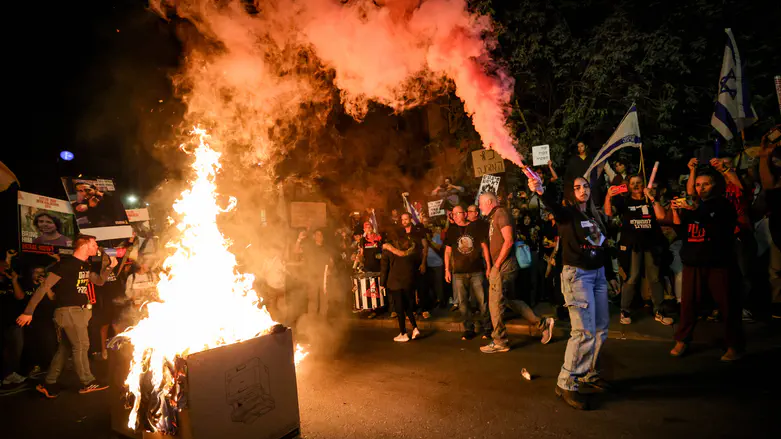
x=579 y=65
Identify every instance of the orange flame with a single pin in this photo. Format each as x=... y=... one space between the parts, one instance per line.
x=205 y=301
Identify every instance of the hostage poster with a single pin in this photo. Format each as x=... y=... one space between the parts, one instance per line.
x=45 y=224
x=97 y=207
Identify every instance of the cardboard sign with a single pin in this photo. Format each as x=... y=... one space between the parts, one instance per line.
x=435 y=208
x=490 y=184
x=540 y=155
x=45 y=224
x=97 y=207
x=307 y=214
x=486 y=161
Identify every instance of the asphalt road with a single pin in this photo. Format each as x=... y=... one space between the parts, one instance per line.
x=367 y=386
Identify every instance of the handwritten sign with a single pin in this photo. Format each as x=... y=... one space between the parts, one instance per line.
x=486 y=161
x=435 y=208
x=489 y=183
x=307 y=214
x=136 y=215
x=540 y=155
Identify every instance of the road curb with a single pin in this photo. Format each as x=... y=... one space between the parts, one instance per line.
x=512 y=328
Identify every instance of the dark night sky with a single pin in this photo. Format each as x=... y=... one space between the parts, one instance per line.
x=86 y=77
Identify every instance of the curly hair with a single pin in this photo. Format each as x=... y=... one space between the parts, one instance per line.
x=57 y=222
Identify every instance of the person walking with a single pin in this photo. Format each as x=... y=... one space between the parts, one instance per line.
x=72 y=282
x=502 y=274
x=584 y=286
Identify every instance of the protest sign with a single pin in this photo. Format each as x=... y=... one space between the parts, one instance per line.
x=98 y=210
x=486 y=161
x=540 y=155
x=147 y=242
x=45 y=224
x=307 y=214
x=435 y=208
x=489 y=183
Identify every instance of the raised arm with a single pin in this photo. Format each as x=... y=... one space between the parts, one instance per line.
x=659 y=211
x=692 y=177
x=766 y=176
x=553 y=174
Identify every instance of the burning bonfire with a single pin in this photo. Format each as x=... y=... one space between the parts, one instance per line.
x=204 y=302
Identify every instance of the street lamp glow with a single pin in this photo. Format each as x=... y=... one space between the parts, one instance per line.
x=132 y=198
x=66 y=155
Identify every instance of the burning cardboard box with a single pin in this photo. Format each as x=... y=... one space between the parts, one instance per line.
x=242 y=390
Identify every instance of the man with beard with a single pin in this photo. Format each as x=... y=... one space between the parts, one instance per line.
x=96 y=208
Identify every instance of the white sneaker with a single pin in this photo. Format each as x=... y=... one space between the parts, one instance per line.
x=415 y=334
x=401 y=338
x=625 y=319
x=667 y=321
x=14 y=378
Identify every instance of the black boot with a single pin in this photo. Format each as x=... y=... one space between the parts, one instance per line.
x=572 y=398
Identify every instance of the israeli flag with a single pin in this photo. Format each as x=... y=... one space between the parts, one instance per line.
x=733 y=106
x=413 y=213
x=627 y=134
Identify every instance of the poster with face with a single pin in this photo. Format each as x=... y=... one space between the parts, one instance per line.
x=45 y=224
x=98 y=210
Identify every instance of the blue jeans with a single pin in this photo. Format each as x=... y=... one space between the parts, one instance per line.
x=463 y=285
x=585 y=294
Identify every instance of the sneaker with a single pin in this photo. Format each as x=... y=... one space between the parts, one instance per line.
x=36 y=372
x=50 y=391
x=661 y=318
x=426 y=315
x=679 y=349
x=747 y=316
x=599 y=384
x=546 y=326
x=494 y=348
x=13 y=388
x=94 y=386
x=401 y=338
x=393 y=315
x=13 y=378
x=731 y=355
x=625 y=319
x=572 y=398
x=454 y=308
x=415 y=334
x=467 y=335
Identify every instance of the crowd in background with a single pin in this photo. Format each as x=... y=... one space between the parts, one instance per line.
x=703 y=245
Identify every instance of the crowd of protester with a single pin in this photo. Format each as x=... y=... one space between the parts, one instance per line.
x=59 y=310
x=701 y=246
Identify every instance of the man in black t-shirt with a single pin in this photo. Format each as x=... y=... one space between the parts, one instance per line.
x=72 y=282
x=470 y=260
x=708 y=239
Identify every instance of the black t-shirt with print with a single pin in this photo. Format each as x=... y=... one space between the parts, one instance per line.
x=74 y=287
x=581 y=237
x=466 y=247
x=372 y=252
x=708 y=233
x=639 y=228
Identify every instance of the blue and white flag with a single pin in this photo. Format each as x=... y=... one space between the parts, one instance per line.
x=627 y=134
x=413 y=213
x=733 y=106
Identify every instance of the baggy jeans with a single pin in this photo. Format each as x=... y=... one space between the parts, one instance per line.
x=73 y=321
x=465 y=284
x=585 y=295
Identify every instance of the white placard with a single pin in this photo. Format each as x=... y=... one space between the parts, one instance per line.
x=540 y=155
x=489 y=183
x=435 y=208
x=136 y=215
